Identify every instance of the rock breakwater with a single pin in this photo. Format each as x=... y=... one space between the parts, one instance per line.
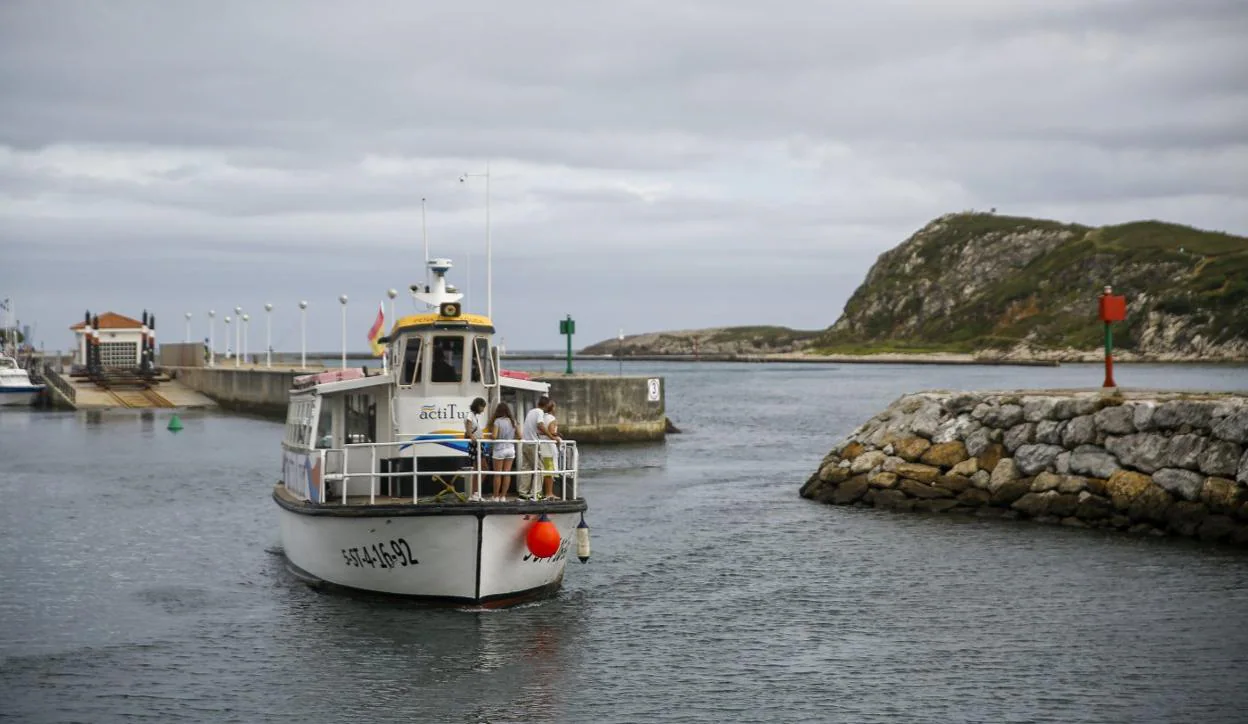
x=1154 y=463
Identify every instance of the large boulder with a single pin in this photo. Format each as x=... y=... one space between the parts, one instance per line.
x=1233 y=427
x=850 y=490
x=981 y=480
x=1142 y=416
x=1049 y=432
x=853 y=450
x=1220 y=457
x=1093 y=507
x=917 y=471
x=1063 y=505
x=1222 y=495
x=1034 y=504
x=1142 y=451
x=916 y=489
x=1177 y=413
x=1003 y=417
x=1020 y=434
x=953 y=483
x=1045 y=482
x=990 y=456
x=910 y=448
x=833 y=473
x=935 y=505
x=1036 y=409
x=882 y=480
x=957 y=428
x=962 y=402
x=1032 y=459
x=1079 y=431
x=891 y=500
x=1242 y=474
x=1180 y=483
x=1094 y=461
x=1124 y=486
x=867 y=462
x=945 y=454
x=1115 y=420
x=1011 y=491
x=1004 y=472
x=1217 y=527
x=1184 y=451
x=1069 y=407
x=978 y=441
x=1151 y=505
x=971 y=466
x=1073 y=484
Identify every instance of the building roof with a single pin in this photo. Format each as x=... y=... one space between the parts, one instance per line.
x=112 y=320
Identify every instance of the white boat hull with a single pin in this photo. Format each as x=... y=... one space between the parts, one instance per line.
x=18 y=396
x=471 y=557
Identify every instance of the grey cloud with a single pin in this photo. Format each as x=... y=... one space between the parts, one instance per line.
x=644 y=154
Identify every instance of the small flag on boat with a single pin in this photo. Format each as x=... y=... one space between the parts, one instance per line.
x=374 y=334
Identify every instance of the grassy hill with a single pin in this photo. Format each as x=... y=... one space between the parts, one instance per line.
x=969 y=282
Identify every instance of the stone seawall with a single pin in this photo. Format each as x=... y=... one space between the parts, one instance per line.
x=1156 y=463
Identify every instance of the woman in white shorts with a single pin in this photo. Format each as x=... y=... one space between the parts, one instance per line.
x=502 y=426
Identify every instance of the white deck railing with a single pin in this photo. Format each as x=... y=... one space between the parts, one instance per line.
x=346 y=464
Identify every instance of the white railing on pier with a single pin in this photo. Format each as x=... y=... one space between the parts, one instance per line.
x=344 y=465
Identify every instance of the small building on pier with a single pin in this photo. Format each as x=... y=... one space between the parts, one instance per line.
x=120 y=339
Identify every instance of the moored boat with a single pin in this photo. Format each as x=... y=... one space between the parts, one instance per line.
x=376 y=471
x=15 y=385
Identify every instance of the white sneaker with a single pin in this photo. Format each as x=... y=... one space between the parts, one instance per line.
x=475 y=498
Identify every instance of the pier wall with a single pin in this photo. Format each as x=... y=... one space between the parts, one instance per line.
x=1158 y=463
x=592 y=409
x=602 y=409
x=258 y=391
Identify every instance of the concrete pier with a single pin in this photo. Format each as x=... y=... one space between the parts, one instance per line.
x=592 y=408
x=603 y=409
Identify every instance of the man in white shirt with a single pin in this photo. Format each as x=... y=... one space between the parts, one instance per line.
x=531 y=431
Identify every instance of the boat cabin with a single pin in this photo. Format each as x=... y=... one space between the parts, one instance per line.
x=407 y=418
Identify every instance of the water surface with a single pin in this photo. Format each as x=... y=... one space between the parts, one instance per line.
x=140 y=580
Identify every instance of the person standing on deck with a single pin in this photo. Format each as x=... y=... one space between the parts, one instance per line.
x=472 y=433
x=547 y=451
x=531 y=431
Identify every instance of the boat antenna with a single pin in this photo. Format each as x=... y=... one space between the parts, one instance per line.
x=424 y=234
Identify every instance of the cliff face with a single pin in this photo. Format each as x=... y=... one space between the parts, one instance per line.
x=1028 y=287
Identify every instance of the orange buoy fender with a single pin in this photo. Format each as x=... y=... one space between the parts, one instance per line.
x=543 y=538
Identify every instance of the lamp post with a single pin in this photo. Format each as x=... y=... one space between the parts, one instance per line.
x=212 y=322
x=489 y=256
x=303 y=335
x=188 y=327
x=246 y=334
x=227 y=336
x=268 y=334
x=238 y=333
x=343 y=299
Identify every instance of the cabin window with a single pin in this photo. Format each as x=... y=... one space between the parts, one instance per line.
x=411 y=362
x=325 y=425
x=448 y=359
x=361 y=419
x=483 y=366
x=299 y=423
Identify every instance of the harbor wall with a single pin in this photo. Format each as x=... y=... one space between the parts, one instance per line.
x=1156 y=463
x=592 y=409
x=603 y=409
x=257 y=391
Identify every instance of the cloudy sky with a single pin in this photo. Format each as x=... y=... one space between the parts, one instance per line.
x=654 y=165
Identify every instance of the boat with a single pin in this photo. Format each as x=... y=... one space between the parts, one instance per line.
x=15 y=385
x=375 y=471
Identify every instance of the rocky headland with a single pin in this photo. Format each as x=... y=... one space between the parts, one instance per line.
x=1158 y=463
x=988 y=287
